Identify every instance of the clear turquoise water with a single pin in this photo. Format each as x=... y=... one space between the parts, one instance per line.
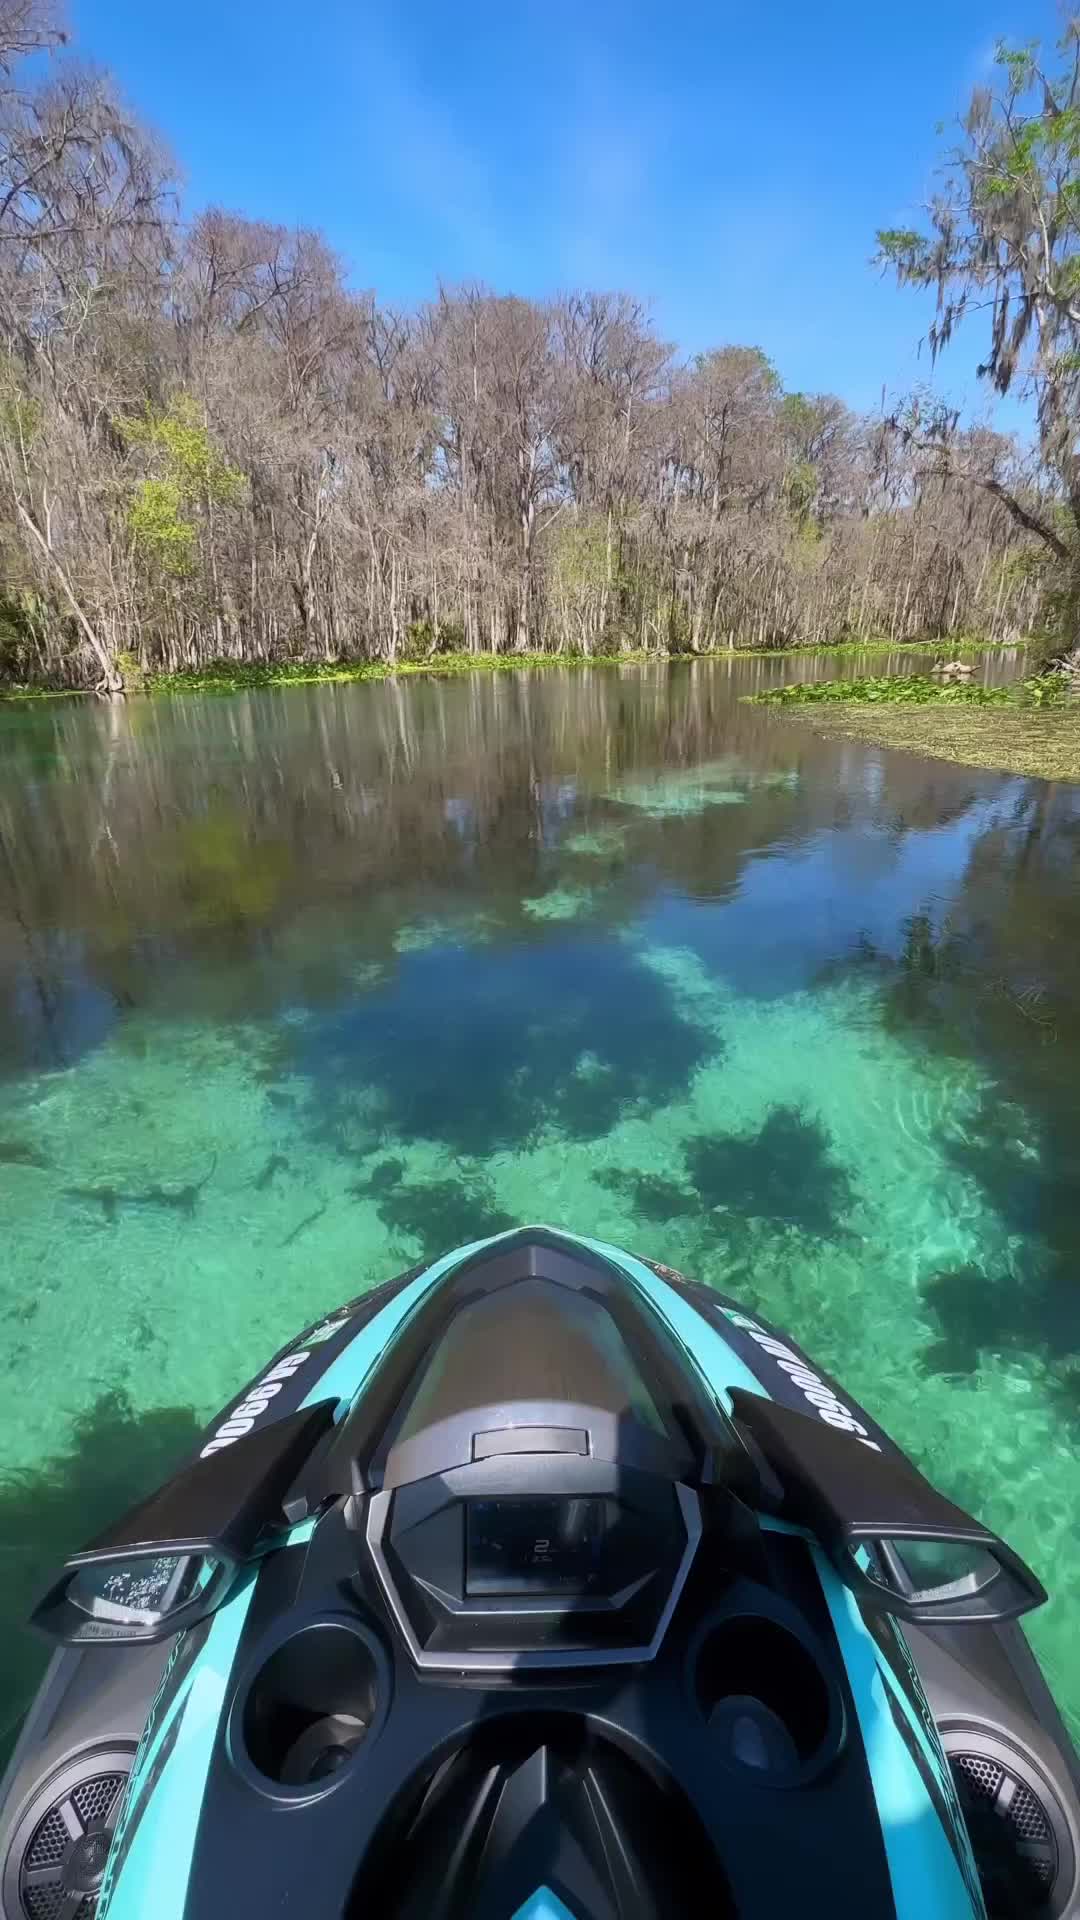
x=298 y=987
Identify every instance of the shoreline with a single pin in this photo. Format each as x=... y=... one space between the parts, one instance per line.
x=228 y=677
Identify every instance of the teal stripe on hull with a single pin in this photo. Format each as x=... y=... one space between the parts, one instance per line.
x=544 y=1905
x=926 y=1877
x=153 y=1880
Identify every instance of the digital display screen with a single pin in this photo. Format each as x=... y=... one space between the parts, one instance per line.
x=568 y=1545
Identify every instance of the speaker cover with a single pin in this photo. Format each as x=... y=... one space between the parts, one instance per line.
x=1018 y=1830
x=58 y=1851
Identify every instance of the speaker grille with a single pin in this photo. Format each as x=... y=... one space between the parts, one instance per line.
x=49 y=1843
x=1012 y=1837
x=53 y=1876
x=93 y=1800
x=45 y=1903
x=983 y=1776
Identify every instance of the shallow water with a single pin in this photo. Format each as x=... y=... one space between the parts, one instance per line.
x=299 y=987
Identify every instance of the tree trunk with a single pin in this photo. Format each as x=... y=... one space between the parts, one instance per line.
x=111 y=678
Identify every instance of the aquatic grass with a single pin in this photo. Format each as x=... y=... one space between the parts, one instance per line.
x=1028 y=726
x=916 y=689
x=784 y=1173
x=476 y=1047
x=419 y=936
x=232 y=676
x=561 y=903
x=1037 y=742
x=224 y=676
x=960 y=646
x=602 y=843
x=676 y=793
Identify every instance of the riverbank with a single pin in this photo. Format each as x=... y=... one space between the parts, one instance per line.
x=1032 y=728
x=227 y=676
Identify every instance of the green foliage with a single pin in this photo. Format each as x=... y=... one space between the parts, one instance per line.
x=20 y=414
x=132 y=671
x=16 y=634
x=423 y=639
x=580 y=552
x=230 y=676
x=187 y=473
x=800 y=487
x=744 y=363
x=901 y=247
x=1020 y=564
x=798 y=415
x=1018 y=62
x=187 y=454
x=158 y=525
x=917 y=689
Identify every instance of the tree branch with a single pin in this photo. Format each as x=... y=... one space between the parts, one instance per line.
x=1024 y=516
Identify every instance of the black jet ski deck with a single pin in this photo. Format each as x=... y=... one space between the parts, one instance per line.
x=540 y=1583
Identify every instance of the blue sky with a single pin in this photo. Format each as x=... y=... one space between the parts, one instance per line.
x=730 y=162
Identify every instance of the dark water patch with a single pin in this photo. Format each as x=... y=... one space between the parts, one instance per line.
x=1065 y=1392
x=116 y=1457
x=650 y=1195
x=979 y=1313
x=785 y=1174
x=480 y=1050
x=22 y=1311
x=386 y=1176
x=1031 y=1176
x=51 y=1011
x=20 y=1153
x=275 y=1163
x=440 y=1214
x=971 y=1312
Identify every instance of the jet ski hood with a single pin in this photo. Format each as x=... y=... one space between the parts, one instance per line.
x=538 y=1582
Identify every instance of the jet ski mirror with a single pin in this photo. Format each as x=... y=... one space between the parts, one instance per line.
x=172 y=1560
x=944 y=1581
x=141 y=1597
x=897 y=1542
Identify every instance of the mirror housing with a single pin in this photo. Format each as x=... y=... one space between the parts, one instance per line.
x=171 y=1560
x=864 y=1505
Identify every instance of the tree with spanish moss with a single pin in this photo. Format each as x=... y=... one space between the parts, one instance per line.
x=1004 y=242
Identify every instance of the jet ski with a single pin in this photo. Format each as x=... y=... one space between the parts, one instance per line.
x=541 y=1583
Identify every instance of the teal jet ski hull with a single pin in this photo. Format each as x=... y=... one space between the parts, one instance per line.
x=541 y=1580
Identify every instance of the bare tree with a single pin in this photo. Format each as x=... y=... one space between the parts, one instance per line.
x=213 y=446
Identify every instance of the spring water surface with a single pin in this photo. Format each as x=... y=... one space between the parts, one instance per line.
x=298 y=987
